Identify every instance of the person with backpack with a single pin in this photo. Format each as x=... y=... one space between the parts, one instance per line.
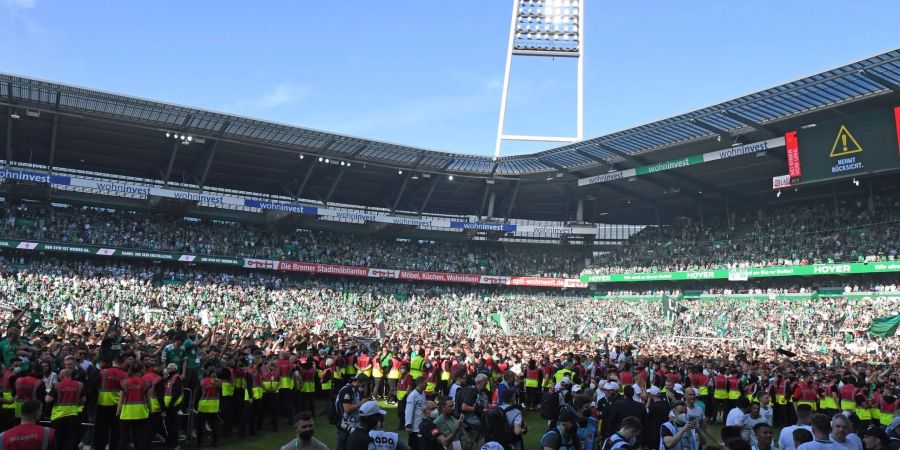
x=345 y=413
x=563 y=435
x=474 y=401
x=516 y=427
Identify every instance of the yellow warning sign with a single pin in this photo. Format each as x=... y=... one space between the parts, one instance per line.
x=844 y=144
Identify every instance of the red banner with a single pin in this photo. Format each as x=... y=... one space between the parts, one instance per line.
x=793 y=154
x=897 y=125
x=415 y=275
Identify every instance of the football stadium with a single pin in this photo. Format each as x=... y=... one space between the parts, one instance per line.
x=178 y=277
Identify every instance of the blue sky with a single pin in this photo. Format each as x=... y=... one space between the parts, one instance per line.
x=427 y=73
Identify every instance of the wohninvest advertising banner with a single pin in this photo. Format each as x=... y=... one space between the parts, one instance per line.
x=220 y=201
x=731 y=152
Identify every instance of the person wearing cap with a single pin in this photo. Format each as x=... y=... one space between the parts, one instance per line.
x=874 y=438
x=415 y=412
x=473 y=403
x=564 y=435
x=350 y=403
x=370 y=435
x=172 y=400
x=615 y=413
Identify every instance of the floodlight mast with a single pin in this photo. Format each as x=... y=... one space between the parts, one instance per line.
x=553 y=28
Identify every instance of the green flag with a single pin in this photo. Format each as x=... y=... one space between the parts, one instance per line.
x=500 y=319
x=884 y=326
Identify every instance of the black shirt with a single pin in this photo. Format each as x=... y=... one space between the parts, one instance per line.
x=359 y=439
x=429 y=436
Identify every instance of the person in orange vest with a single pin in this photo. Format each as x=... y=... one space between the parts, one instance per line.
x=106 y=423
x=29 y=387
x=532 y=385
x=308 y=386
x=404 y=385
x=134 y=409
x=29 y=435
x=172 y=400
x=269 y=379
x=8 y=402
x=285 y=369
x=208 y=406
x=67 y=397
x=153 y=376
x=720 y=395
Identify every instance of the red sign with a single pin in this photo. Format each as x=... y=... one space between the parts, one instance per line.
x=897 y=125
x=356 y=271
x=793 y=154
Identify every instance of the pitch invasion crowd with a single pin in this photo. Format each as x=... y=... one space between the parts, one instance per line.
x=228 y=334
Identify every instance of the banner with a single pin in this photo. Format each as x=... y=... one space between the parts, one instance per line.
x=752 y=272
x=752 y=297
x=724 y=153
x=884 y=326
x=216 y=200
x=793 y=155
x=117 y=252
x=412 y=275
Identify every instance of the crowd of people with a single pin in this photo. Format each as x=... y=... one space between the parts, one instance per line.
x=160 y=232
x=168 y=354
x=862 y=229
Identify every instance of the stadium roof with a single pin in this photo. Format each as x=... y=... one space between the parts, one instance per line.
x=96 y=130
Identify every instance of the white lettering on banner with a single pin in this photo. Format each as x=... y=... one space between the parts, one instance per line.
x=24 y=176
x=383 y=273
x=260 y=264
x=707 y=157
x=836 y=268
x=555 y=230
x=487 y=279
x=781 y=181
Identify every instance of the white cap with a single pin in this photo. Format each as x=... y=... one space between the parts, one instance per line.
x=370 y=408
x=566 y=380
x=679 y=388
x=576 y=388
x=653 y=390
x=492 y=445
x=613 y=386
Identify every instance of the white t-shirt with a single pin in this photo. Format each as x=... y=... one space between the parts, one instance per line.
x=735 y=418
x=853 y=442
x=637 y=393
x=820 y=445
x=749 y=423
x=768 y=414
x=786 y=438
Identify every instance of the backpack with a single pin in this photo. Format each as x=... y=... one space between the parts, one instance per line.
x=495 y=427
x=458 y=399
x=550 y=405
x=335 y=411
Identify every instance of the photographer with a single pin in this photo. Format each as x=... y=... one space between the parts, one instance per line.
x=679 y=433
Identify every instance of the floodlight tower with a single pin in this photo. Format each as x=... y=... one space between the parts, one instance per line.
x=553 y=28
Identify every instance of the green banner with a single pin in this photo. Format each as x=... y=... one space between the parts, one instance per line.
x=754 y=272
x=884 y=326
x=117 y=252
x=749 y=297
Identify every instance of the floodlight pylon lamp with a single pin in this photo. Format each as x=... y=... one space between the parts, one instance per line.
x=551 y=36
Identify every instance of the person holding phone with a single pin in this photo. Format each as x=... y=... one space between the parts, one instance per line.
x=679 y=433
